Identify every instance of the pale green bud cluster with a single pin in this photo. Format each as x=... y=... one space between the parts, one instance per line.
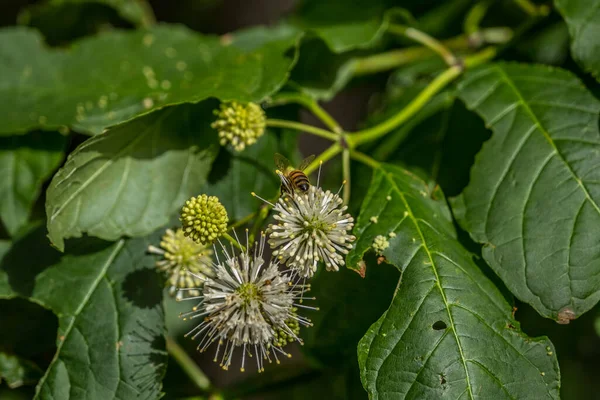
x=380 y=243
x=204 y=219
x=239 y=124
x=185 y=263
x=283 y=337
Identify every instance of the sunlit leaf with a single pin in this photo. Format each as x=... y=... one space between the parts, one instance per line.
x=534 y=195
x=131 y=179
x=148 y=69
x=448 y=332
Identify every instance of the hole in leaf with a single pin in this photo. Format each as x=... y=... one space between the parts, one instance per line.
x=442 y=378
x=439 y=325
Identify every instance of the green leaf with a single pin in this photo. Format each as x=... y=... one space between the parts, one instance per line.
x=148 y=69
x=17 y=371
x=137 y=12
x=131 y=179
x=344 y=315
x=25 y=163
x=448 y=332
x=534 y=195
x=344 y=25
x=61 y=21
x=108 y=298
x=583 y=20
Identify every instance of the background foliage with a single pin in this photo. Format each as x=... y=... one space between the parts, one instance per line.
x=490 y=189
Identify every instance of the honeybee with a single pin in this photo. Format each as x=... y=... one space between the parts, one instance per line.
x=292 y=178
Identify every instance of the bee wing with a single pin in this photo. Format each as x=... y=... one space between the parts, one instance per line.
x=305 y=163
x=281 y=162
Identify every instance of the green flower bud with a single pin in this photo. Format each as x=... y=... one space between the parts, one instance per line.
x=204 y=219
x=239 y=124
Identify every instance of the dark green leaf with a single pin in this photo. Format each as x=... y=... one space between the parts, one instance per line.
x=137 y=12
x=62 y=21
x=320 y=72
x=108 y=298
x=534 y=195
x=115 y=76
x=549 y=46
x=448 y=332
x=344 y=25
x=131 y=179
x=583 y=20
x=17 y=371
x=348 y=305
x=25 y=163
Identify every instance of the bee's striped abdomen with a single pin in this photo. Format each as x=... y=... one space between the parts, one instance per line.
x=299 y=180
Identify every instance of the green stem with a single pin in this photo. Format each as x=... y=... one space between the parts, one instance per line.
x=188 y=365
x=346 y=169
x=389 y=60
x=533 y=9
x=426 y=40
x=280 y=123
x=325 y=156
x=439 y=83
x=260 y=220
x=365 y=159
x=474 y=17
x=312 y=105
x=234 y=242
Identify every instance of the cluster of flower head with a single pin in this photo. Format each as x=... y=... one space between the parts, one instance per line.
x=249 y=307
x=246 y=305
x=239 y=124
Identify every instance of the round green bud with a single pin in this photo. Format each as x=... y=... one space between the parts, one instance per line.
x=239 y=124
x=204 y=219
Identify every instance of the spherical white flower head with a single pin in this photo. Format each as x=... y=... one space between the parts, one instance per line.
x=247 y=305
x=185 y=263
x=312 y=227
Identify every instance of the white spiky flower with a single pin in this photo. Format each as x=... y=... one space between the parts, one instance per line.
x=249 y=305
x=312 y=227
x=185 y=263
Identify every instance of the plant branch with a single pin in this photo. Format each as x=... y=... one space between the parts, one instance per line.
x=533 y=9
x=426 y=40
x=188 y=365
x=392 y=59
x=311 y=104
x=439 y=83
x=365 y=159
x=346 y=169
x=280 y=123
x=325 y=156
x=474 y=17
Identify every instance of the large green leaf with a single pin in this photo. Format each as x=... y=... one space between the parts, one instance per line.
x=25 y=163
x=344 y=25
x=129 y=180
x=108 y=298
x=583 y=20
x=119 y=75
x=534 y=195
x=448 y=332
